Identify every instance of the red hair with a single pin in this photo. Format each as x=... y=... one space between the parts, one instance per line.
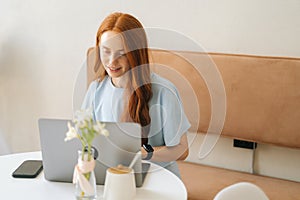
x=138 y=90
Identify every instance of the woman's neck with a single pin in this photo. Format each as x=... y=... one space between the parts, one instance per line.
x=119 y=82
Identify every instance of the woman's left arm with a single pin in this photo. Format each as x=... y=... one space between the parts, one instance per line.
x=170 y=153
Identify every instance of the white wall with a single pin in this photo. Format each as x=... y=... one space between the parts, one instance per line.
x=43 y=45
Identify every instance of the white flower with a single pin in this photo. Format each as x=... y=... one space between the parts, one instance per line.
x=105 y=132
x=71 y=134
x=100 y=128
x=81 y=124
x=88 y=129
x=84 y=115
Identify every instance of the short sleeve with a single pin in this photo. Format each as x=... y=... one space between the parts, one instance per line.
x=175 y=122
x=89 y=96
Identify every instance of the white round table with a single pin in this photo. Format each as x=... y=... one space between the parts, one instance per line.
x=159 y=183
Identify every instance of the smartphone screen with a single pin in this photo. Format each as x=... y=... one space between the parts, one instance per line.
x=28 y=169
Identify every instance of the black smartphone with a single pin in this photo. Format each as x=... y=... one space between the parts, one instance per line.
x=28 y=169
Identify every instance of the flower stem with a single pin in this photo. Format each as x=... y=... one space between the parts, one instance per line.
x=82 y=152
x=89 y=152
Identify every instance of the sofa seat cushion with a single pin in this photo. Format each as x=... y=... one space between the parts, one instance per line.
x=204 y=182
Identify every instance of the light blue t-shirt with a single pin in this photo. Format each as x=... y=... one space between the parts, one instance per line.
x=168 y=120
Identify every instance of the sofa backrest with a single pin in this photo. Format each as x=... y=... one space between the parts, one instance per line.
x=262 y=94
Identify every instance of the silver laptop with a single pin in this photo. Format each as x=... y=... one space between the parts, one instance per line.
x=60 y=157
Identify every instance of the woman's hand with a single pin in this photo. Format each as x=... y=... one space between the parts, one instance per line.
x=171 y=153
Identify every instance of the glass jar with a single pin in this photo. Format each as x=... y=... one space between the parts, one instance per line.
x=84 y=177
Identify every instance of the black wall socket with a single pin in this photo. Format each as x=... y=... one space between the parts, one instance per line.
x=244 y=144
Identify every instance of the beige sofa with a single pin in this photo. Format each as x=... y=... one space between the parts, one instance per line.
x=262 y=105
x=258 y=100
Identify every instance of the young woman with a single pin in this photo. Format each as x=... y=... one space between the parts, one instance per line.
x=126 y=90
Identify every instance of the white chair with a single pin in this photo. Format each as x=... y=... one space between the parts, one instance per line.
x=243 y=191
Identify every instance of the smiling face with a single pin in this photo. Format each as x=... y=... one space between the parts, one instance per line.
x=113 y=55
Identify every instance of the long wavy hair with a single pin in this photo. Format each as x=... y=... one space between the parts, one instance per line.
x=138 y=91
